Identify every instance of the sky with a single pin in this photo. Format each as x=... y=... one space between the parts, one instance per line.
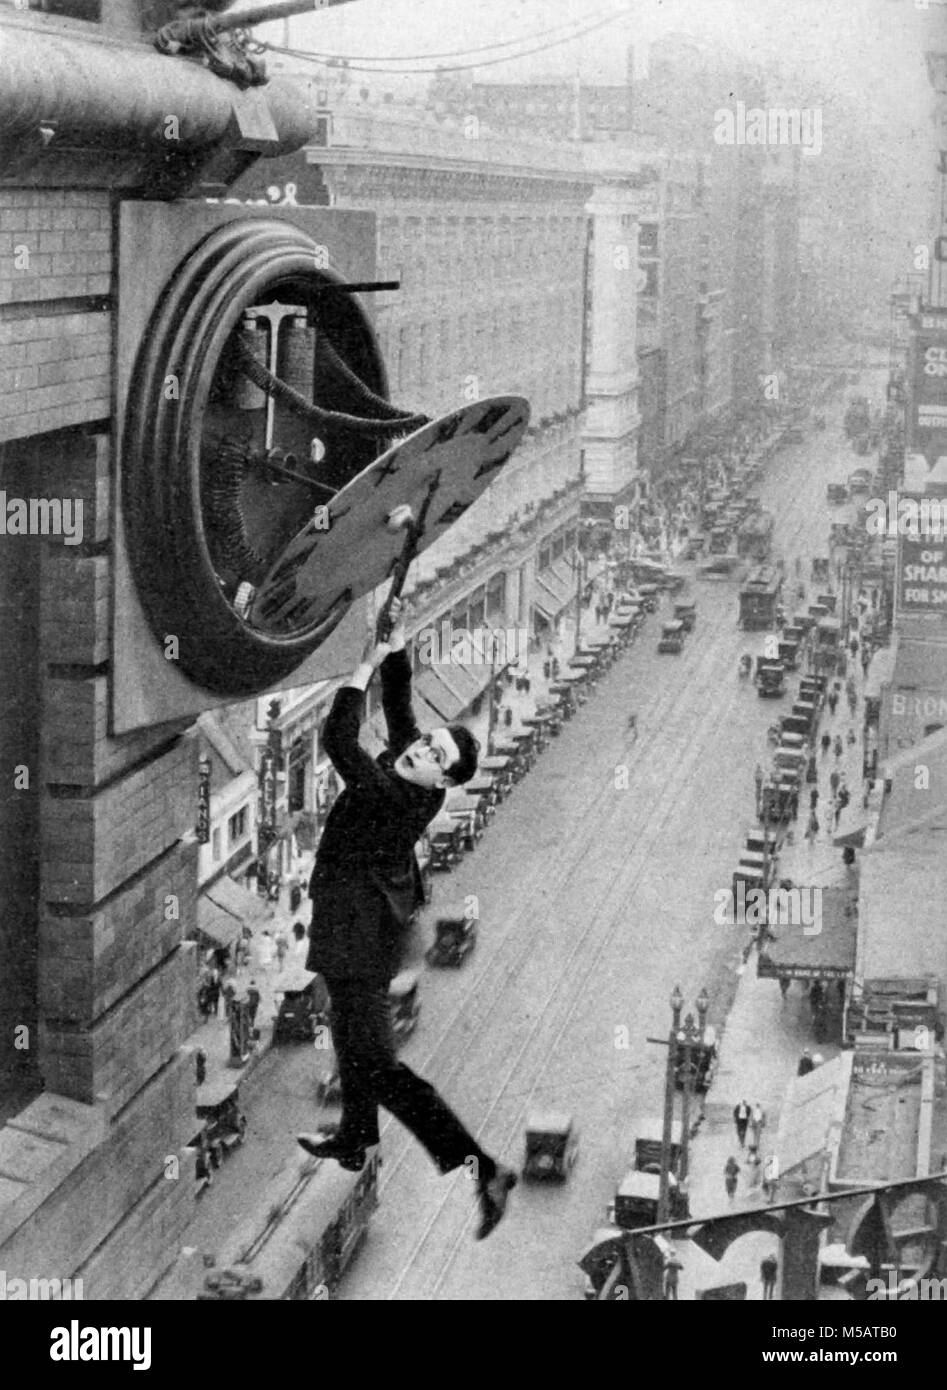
x=875 y=46
x=869 y=50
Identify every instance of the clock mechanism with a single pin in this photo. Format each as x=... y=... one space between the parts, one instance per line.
x=258 y=393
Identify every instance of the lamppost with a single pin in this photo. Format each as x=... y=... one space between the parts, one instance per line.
x=692 y=1033
x=677 y=1003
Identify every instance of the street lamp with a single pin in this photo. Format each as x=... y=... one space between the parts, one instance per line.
x=664 y=1184
x=681 y=1042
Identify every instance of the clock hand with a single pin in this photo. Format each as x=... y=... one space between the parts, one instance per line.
x=261 y=461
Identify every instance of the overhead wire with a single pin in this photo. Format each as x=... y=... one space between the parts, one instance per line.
x=452 y=67
x=465 y=52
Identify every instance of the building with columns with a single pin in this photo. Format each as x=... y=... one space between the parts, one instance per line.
x=517 y=263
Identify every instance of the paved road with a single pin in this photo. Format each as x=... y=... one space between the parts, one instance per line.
x=596 y=884
x=596 y=900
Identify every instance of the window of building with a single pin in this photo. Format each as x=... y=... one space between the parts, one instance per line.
x=496 y=597
x=476 y=609
x=570 y=538
x=238 y=826
x=545 y=555
x=558 y=545
x=215 y=845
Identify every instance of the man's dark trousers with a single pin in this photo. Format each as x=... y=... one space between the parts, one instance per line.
x=371 y=1075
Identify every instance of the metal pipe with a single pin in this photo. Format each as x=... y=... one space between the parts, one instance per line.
x=265 y=14
x=122 y=95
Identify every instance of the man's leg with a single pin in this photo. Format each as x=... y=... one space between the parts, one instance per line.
x=359 y=1124
x=374 y=1065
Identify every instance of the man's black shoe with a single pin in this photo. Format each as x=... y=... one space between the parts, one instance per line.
x=324 y=1144
x=492 y=1197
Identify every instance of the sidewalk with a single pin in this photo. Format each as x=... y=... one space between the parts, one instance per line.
x=213 y=1035
x=765 y=1036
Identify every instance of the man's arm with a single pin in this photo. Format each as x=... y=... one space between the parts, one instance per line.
x=396 y=690
x=340 y=737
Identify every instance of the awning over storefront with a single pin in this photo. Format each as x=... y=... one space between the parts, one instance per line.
x=224 y=908
x=439 y=695
x=545 y=607
x=812 y=1116
x=552 y=592
x=802 y=952
x=462 y=680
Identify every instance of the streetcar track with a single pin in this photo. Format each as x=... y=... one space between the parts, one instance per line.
x=629 y=877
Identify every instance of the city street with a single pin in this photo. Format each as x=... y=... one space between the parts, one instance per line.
x=595 y=900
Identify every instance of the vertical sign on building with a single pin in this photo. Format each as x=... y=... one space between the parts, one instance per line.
x=203 y=802
x=927 y=407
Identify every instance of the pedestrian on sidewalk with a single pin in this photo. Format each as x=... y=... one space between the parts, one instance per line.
x=825 y=743
x=253 y=1001
x=837 y=806
x=784 y=983
x=266 y=950
x=806 y=1064
x=769 y=1269
x=282 y=949
x=757 y=1124
x=770 y=1177
x=838 y=748
x=852 y=738
x=230 y=994
x=814 y=799
x=834 y=778
x=731 y=1173
x=741 y=1118
x=758 y=780
x=832 y=701
x=812 y=829
x=672 y=1270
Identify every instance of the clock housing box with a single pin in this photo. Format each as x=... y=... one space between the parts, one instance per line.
x=163 y=586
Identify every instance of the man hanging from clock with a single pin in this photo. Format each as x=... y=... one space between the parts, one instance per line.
x=364 y=887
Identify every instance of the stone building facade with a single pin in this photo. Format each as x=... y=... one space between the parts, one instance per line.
x=98 y=879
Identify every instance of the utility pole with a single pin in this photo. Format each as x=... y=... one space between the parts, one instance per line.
x=677 y=1003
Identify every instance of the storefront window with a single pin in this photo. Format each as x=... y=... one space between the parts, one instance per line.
x=237 y=826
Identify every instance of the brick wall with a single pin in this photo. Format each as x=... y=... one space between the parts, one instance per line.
x=105 y=1186
x=55 y=350
x=108 y=1059
x=88 y=959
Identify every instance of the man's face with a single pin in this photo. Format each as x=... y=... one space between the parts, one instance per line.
x=425 y=762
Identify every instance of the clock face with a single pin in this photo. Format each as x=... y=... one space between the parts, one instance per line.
x=349 y=548
x=220 y=469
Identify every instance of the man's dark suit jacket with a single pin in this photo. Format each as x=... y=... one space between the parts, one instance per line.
x=366 y=881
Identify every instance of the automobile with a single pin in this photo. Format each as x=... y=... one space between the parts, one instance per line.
x=694 y=547
x=719 y=566
x=469 y=812
x=859 y=480
x=820 y=569
x=224 y=1124
x=792 y=435
x=771 y=679
x=829 y=601
x=648 y=595
x=836 y=494
x=672 y=637
x=636 y=1201
x=719 y=540
x=551 y=1147
x=304 y=1006
x=789 y=654
x=672 y=582
x=447 y=842
x=403 y=1000
x=686 y=613
x=455 y=934
x=649 y=1143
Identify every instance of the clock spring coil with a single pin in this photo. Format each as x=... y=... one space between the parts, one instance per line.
x=232 y=545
